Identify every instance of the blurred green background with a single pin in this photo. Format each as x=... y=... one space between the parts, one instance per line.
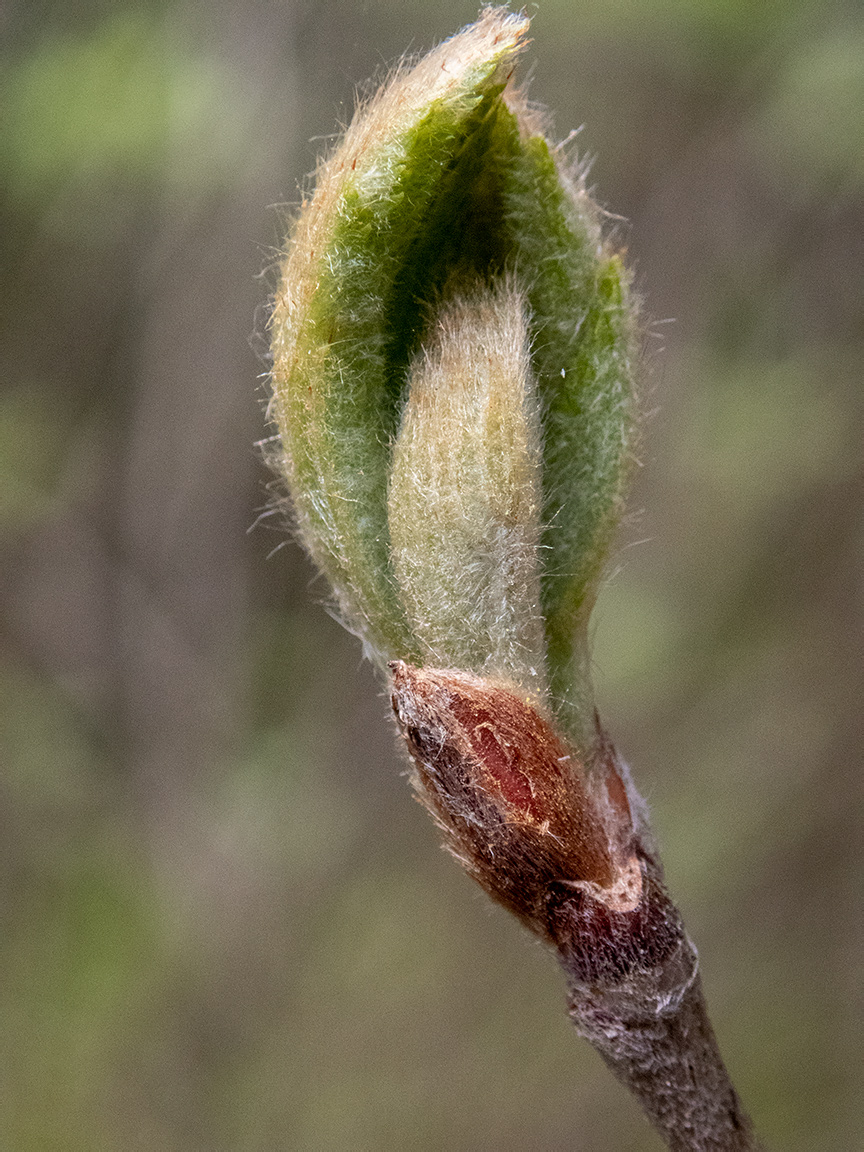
x=225 y=924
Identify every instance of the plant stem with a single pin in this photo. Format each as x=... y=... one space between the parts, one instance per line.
x=563 y=842
x=635 y=994
x=671 y=1062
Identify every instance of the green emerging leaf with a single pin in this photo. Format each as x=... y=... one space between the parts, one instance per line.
x=441 y=185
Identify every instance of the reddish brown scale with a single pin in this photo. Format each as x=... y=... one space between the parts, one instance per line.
x=513 y=745
x=504 y=765
x=510 y=798
x=617 y=793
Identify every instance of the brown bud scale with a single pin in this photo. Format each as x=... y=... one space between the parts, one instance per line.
x=510 y=797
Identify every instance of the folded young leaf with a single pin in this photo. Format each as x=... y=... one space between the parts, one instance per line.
x=368 y=251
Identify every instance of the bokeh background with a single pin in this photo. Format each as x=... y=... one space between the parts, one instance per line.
x=225 y=924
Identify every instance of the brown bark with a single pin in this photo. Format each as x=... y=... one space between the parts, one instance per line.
x=635 y=995
x=670 y=1060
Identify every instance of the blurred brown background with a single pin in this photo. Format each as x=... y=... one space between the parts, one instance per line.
x=225 y=924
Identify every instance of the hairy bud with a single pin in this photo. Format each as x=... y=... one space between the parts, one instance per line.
x=453 y=393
